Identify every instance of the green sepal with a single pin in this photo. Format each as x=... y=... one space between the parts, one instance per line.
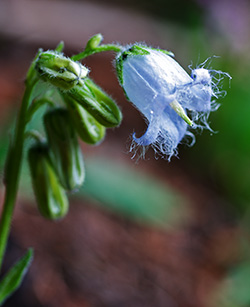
x=60 y=71
x=88 y=128
x=65 y=152
x=92 y=98
x=135 y=50
x=50 y=196
x=14 y=277
x=170 y=53
x=59 y=47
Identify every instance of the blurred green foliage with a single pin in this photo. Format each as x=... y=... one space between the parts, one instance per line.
x=125 y=190
x=234 y=290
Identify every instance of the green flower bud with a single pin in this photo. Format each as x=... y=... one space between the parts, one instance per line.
x=97 y=103
x=88 y=129
x=94 y=42
x=59 y=70
x=66 y=154
x=50 y=196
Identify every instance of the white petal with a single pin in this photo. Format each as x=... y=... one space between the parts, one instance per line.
x=195 y=97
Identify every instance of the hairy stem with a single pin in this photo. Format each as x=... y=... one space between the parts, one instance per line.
x=86 y=53
x=12 y=171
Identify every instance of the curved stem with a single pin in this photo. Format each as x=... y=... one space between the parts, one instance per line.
x=86 y=53
x=35 y=135
x=35 y=105
x=12 y=170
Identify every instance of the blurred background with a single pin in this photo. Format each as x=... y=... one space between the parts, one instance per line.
x=151 y=233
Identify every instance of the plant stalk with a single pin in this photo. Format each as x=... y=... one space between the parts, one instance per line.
x=86 y=53
x=12 y=170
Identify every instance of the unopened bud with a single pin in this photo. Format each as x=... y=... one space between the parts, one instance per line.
x=97 y=103
x=66 y=154
x=88 y=129
x=59 y=70
x=94 y=42
x=50 y=196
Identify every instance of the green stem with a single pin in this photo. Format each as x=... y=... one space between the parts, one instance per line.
x=35 y=105
x=35 y=135
x=86 y=53
x=12 y=171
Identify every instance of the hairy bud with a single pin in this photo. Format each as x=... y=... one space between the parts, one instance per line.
x=65 y=154
x=87 y=127
x=50 y=196
x=97 y=103
x=59 y=70
x=94 y=42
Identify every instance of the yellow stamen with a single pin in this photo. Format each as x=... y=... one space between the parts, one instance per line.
x=180 y=111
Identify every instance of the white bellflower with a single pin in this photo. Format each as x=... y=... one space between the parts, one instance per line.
x=170 y=99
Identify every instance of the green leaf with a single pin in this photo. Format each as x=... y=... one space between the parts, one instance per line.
x=234 y=290
x=14 y=277
x=139 y=197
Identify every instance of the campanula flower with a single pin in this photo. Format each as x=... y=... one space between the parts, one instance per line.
x=170 y=99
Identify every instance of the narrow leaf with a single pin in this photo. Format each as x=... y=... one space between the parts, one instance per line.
x=14 y=277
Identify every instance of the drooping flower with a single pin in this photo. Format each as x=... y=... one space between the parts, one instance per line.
x=170 y=99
